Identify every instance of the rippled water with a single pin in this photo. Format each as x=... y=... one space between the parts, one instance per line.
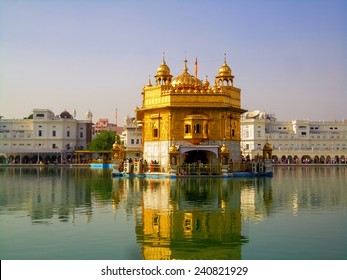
x=80 y=213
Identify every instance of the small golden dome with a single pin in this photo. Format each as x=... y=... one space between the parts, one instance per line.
x=186 y=80
x=173 y=149
x=267 y=146
x=206 y=83
x=115 y=146
x=163 y=69
x=225 y=70
x=224 y=149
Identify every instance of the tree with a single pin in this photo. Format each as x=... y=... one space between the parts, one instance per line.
x=103 y=141
x=30 y=117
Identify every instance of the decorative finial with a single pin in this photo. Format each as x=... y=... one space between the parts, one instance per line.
x=185 y=69
x=225 y=58
x=149 y=80
x=164 y=58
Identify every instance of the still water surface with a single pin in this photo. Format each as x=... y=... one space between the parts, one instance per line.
x=80 y=213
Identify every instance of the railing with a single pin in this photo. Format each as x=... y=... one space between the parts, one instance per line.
x=197 y=169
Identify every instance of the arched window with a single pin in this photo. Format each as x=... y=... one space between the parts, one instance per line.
x=197 y=128
x=187 y=129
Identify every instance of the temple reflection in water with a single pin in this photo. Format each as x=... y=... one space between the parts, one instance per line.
x=66 y=213
x=192 y=218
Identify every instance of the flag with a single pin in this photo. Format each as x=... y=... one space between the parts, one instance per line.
x=196 y=67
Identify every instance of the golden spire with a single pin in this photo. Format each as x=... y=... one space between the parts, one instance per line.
x=185 y=68
x=164 y=62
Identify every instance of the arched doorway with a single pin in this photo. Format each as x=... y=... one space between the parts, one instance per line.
x=336 y=159
x=306 y=159
x=275 y=159
x=17 y=159
x=343 y=159
x=290 y=159
x=283 y=159
x=296 y=159
x=54 y=159
x=47 y=159
x=316 y=159
x=328 y=159
x=322 y=159
x=196 y=156
x=2 y=159
x=25 y=159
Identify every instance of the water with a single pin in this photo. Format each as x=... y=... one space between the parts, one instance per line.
x=80 y=213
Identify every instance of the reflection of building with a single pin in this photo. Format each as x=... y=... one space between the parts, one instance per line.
x=192 y=115
x=131 y=138
x=294 y=141
x=44 y=138
x=256 y=199
x=191 y=219
x=47 y=199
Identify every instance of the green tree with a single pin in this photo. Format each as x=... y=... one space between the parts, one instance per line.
x=103 y=141
x=30 y=117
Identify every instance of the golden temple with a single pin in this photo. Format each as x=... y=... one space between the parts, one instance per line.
x=187 y=120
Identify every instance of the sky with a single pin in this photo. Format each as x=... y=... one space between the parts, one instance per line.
x=289 y=58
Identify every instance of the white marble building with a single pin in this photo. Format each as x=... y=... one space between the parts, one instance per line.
x=298 y=141
x=131 y=138
x=44 y=138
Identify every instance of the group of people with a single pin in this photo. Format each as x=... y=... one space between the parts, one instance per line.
x=143 y=165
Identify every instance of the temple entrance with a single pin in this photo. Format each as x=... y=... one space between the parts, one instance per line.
x=196 y=156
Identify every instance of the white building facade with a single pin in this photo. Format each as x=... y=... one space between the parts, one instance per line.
x=46 y=138
x=298 y=141
x=131 y=138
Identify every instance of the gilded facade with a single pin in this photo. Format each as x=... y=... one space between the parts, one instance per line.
x=190 y=116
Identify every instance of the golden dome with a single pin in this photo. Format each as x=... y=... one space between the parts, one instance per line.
x=206 y=83
x=116 y=146
x=267 y=146
x=163 y=69
x=224 y=149
x=224 y=70
x=173 y=149
x=186 y=80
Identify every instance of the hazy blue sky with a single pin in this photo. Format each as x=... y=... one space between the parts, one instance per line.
x=288 y=57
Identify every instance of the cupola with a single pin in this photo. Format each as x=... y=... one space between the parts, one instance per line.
x=163 y=76
x=225 y=76
x=65 y=115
